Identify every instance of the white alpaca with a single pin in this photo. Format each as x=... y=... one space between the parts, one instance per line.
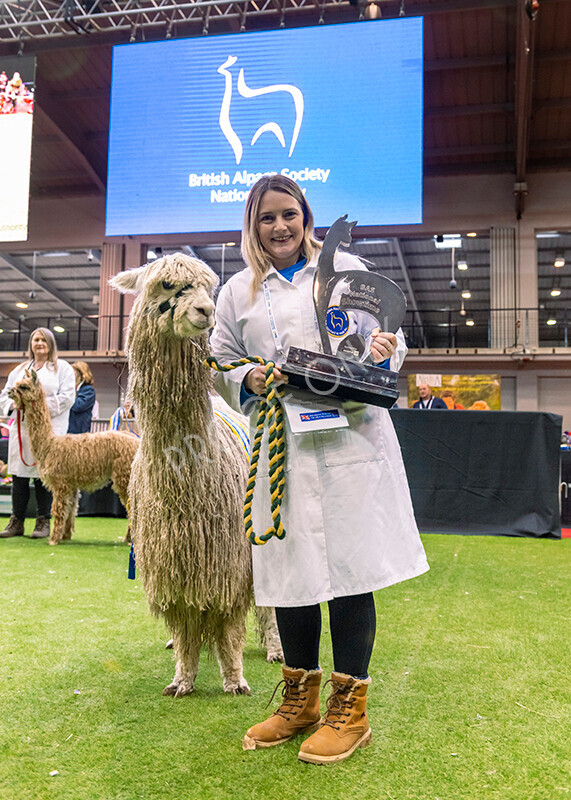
x=188 y=480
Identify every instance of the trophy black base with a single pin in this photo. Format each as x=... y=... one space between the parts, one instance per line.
x=331 y=376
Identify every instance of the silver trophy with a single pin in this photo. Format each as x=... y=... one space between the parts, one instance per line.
x=349 y=304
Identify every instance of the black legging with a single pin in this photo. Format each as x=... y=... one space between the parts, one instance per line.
x=353 y=624
x=21 y=495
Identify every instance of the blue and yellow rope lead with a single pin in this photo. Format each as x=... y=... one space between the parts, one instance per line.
x=270 y=413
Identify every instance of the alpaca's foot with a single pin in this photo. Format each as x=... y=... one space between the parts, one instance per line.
x=67 y=535
x=169 y=645
x=179 y=689
x=275 y=654
x=239 y=686
x=53 y=540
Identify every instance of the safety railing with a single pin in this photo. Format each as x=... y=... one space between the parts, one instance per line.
x=438 y=328
x=488 y=328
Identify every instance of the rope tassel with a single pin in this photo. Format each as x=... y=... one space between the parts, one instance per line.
x=270 y=413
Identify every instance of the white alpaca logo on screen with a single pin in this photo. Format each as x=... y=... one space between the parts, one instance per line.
x=267 y=127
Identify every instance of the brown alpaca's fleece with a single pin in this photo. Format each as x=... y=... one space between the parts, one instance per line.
x=70 y=463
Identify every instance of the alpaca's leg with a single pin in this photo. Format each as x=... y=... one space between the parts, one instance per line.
x=187 y=640
x=269 y=634
x=59 y=514
x=71 y=513
x=229 y=647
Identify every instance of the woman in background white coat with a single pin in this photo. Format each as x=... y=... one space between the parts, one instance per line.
x=58 y=380
x=347 y=512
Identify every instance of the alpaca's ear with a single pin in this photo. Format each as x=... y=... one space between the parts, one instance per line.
x=34 y=375
x=130 y=281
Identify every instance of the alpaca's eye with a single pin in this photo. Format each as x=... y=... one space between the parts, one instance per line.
x=167 y=285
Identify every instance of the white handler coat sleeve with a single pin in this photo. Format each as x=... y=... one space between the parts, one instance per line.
x=346 y=509
x=59 y=387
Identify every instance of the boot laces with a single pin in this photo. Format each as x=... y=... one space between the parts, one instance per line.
x=339 y=704
x=293 y=693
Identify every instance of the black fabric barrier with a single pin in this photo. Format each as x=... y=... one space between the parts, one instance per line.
x=102 y=503
x=566 y=488
x=482 y=472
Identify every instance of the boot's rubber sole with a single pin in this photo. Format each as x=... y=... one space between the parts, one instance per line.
x=248 y=743
x=312 y=758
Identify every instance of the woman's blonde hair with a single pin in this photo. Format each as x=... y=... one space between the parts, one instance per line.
x=82 y=369
x=50 y=341
x=253 y=252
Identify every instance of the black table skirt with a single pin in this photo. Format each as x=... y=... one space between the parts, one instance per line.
x=482 y=472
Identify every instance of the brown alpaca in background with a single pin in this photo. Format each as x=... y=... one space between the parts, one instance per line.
x=72 y=462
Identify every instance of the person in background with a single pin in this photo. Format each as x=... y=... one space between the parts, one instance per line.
x=479 y=405
x=427 y=399
x=58 y=380
x=347 y=510
x=450 y=400
x=82 y=410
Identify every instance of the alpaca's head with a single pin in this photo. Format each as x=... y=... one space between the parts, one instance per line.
x=176 y=291
x=27 y=390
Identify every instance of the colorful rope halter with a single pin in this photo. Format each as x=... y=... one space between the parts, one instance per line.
x=270 y=413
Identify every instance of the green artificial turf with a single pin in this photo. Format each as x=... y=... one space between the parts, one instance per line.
x=470 y=695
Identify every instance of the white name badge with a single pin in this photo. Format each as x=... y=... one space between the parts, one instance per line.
x=315 y=415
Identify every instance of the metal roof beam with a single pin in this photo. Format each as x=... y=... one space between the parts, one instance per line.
x=525 y=51
x=19 y=265
x=406 y=277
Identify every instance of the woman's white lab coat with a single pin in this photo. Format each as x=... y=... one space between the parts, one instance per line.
x=347 y=511
x=60 y=395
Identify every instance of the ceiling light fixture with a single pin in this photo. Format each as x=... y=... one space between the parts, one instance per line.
x=372 y=11
x=463 y=265
x=59 y=329
x=446 y=241
x=551 y=321
x=470 y=323
x=472 y=234
x=559 y=260
x=466 y=294
x=555 y=292
x=21 y=305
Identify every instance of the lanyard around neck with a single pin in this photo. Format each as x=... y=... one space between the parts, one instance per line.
x=275 y=335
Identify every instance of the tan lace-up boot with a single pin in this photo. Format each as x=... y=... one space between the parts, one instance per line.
x=345 y=724
x=298 y=712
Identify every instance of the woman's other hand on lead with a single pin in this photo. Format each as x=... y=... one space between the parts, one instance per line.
x=255 y=380
x=383 y=346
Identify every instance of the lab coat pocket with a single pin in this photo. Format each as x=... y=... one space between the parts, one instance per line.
x=347 y=446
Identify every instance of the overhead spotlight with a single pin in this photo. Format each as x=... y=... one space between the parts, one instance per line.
x=555 y=292
x=462 y=310
x=470 y=323
x=402 y=10
x=372 y=11
x=21 y=305
x=551 y=321
x=466 y=294
x=90 y=255
x=1 y=330
x=463 y=265
x=230 y=244
x=559 y=260
x=472 y=234
x=59 y=329
x=32 y=295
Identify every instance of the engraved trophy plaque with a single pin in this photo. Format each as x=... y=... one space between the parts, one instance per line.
x=349 y=304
